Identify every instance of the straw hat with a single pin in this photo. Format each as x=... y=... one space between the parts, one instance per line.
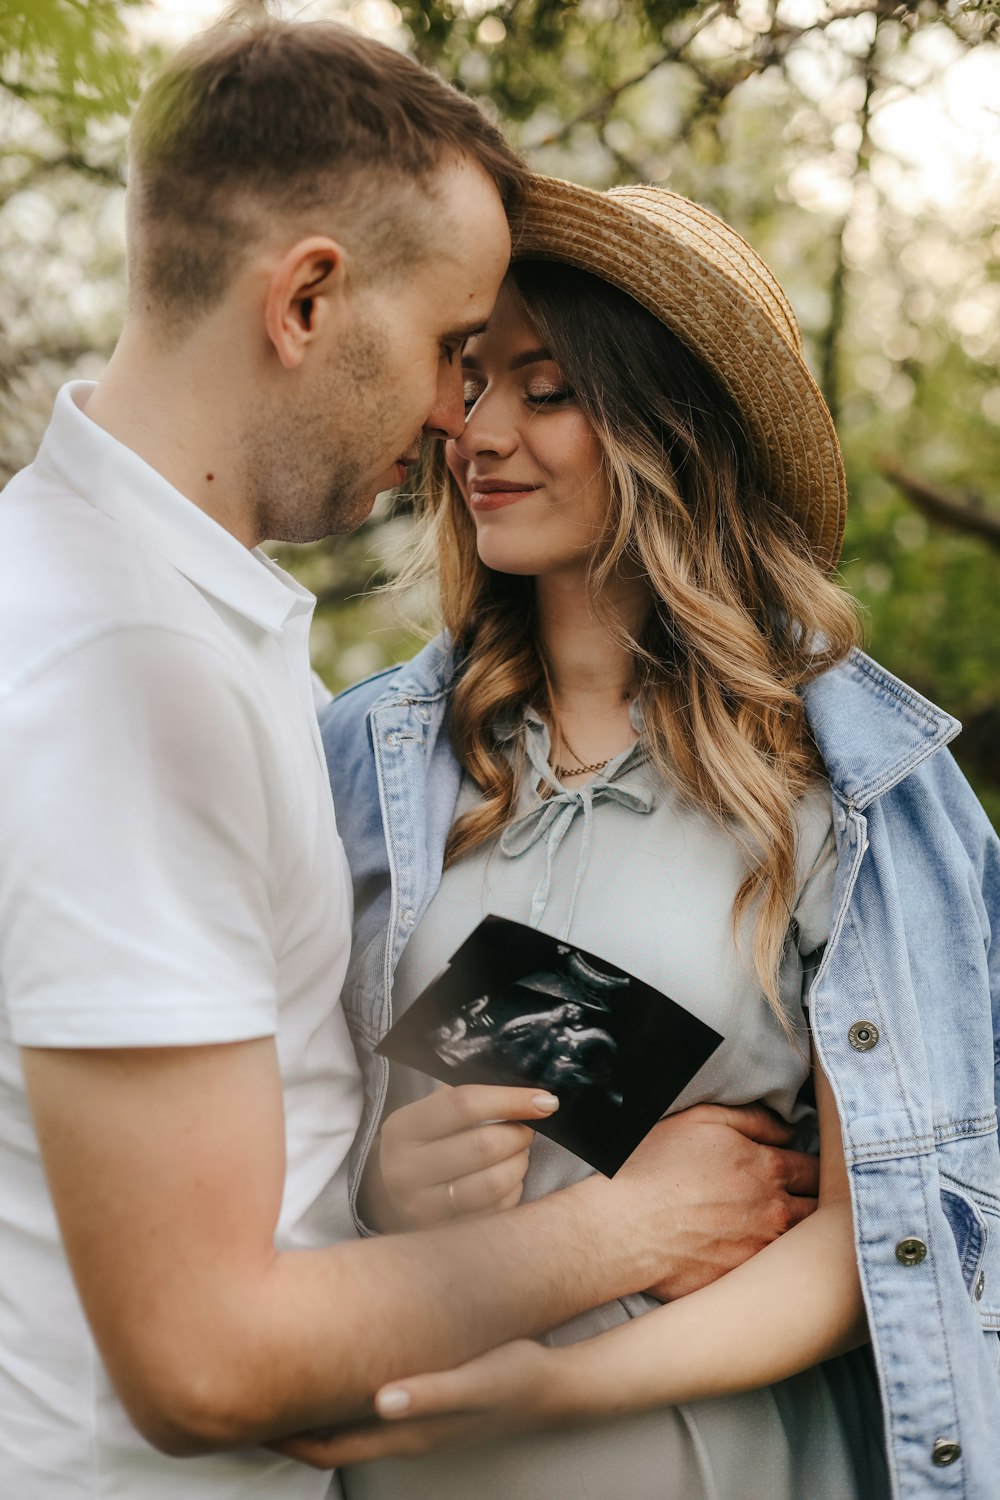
x=705 y=283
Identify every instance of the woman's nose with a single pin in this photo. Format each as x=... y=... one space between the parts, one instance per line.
x=486 y=431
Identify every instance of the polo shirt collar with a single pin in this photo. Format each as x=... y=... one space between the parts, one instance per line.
x=118 y=482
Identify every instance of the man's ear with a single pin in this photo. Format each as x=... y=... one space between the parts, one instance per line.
x=305 y=289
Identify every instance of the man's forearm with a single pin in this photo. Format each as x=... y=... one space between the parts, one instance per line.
x=166 y=1169
x=796 y=1303
x=309 y=1341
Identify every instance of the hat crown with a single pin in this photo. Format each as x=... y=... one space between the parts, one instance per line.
x=713 y=240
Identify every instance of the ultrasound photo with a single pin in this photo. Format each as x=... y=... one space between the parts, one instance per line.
x=516 y=1006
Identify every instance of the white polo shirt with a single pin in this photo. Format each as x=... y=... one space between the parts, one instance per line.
x=170 y=874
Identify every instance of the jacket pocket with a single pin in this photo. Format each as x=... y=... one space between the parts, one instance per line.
x=968 y=1225
x=977 y=1239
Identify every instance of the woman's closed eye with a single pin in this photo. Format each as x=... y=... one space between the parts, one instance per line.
x=536 y=394
x=548 y=394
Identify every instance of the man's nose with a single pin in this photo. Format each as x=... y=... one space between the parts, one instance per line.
x=447 y=417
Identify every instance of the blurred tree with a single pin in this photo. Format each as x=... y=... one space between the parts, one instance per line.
x=839 y=137
x=69 y=73
x=68 y=59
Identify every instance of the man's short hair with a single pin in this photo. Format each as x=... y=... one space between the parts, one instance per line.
x=253 y=121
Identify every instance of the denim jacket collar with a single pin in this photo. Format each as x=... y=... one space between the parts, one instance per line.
x=426 y=676
x=872 y=730
x=866 y=753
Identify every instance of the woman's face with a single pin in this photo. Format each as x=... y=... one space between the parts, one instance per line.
x=528 y=463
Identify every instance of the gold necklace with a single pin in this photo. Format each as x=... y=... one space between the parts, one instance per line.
x=561 y=772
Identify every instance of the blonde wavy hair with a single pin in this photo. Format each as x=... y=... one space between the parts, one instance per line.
x=740 y=616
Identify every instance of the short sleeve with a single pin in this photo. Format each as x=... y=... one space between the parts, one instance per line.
x=134 y=874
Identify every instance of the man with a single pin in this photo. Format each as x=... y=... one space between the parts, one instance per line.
x=315 y=225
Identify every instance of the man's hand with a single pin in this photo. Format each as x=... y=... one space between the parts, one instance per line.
x=716 y=1184
x=771 y=1318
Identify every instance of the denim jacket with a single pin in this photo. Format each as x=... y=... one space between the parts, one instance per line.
x=901 y=1011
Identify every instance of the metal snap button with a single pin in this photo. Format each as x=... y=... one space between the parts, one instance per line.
x=863 y=1036
x=910 y=1252
x=945 y=1451
x=980 y=1286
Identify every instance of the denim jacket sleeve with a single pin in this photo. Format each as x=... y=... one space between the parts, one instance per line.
x=905 y=1011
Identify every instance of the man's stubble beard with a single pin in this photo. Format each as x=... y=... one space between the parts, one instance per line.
x=311 y=473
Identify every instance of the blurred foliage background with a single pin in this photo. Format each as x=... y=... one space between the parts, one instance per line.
x=857 y=145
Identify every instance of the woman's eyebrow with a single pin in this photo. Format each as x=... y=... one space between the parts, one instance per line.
x=530 y=357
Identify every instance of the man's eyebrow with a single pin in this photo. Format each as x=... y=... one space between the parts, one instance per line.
x=469 y=331
x=538 y=356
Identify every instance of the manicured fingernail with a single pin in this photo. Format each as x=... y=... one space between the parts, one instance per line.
x=391 y=1401
x=548 y=1102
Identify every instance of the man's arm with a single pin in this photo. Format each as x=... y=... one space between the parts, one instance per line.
x=166 y=1167
x=795 y=1304
x=136 y=920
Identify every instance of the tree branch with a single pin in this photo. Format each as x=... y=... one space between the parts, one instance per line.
x=40 y=168
x=967 y=512
x=833 y=333
x=599 y=108
x=30 y=94
x=771 y=48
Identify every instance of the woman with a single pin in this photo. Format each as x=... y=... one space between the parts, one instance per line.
x=647 y=731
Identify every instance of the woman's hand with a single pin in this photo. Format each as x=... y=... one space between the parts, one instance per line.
x=517 y=1388
x=456 y=1154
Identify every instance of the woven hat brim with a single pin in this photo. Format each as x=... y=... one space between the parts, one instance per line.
x=697 y=276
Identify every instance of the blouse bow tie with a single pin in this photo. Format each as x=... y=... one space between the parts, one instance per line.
x=551 y=819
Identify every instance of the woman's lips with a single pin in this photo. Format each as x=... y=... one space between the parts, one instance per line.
x=494 y=496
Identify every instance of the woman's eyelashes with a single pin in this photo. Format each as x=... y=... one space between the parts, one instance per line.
x=535 y=395
x=548 y=395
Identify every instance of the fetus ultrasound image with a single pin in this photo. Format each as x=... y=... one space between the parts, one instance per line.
x=517 y=1006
